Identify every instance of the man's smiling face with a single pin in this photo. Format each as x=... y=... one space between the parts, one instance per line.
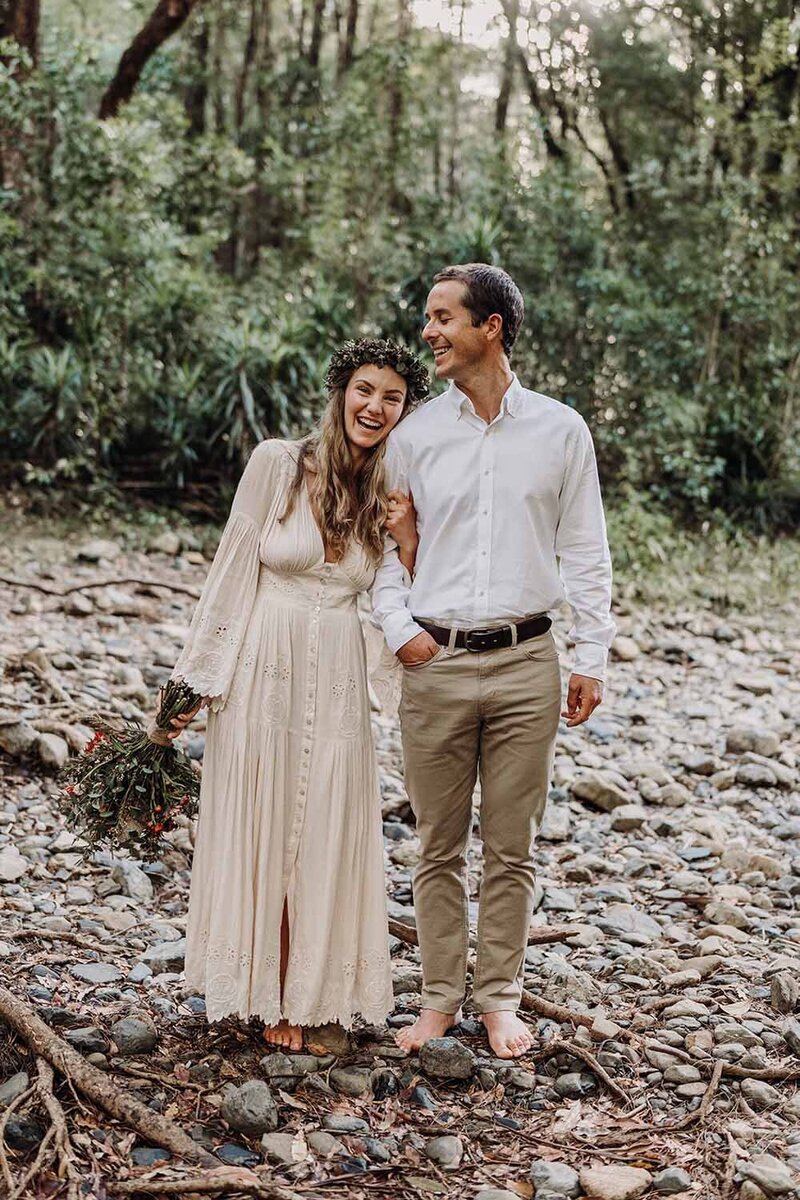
x=457 y=344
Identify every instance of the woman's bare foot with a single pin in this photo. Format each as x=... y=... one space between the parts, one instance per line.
x=429 y=1024
x=509 y=1037
x=288 y=1037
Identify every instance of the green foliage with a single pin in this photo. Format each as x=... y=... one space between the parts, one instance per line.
x=172 y=293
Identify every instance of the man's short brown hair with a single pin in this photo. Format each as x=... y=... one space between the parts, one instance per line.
x=489 y=290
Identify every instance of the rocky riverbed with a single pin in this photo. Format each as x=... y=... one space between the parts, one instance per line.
x=669 y=870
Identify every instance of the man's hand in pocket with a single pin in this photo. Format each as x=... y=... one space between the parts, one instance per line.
x=418 y=650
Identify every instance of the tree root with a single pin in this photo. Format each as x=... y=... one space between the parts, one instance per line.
x=66 y=1161
x=74 y=939
x=82 y=587
x=98 y=1087
x=231 y=1179
x=537 y=935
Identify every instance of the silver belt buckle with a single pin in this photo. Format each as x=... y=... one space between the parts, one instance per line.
x=479 y=634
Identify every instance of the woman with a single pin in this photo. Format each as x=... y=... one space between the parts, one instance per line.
x=287 y=906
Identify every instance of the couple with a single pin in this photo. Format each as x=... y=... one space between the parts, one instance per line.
x=287 y=909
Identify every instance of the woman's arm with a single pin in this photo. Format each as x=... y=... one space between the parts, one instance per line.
x=401 y=525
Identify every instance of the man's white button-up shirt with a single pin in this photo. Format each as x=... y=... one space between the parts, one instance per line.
x=510 y=521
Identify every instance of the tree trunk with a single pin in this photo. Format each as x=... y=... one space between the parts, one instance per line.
x=248 y=59
x=507 y=75
x=166 y=18
x=19 y=19
x=315 y=43
x=348 y=42
x=196 y=94
x=397 y=102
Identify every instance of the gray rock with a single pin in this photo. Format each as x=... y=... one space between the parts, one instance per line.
x=446 y=1151
x=278 y=1148
x=135 y=1035
x=671 y=1180
x=575 y=1084
x=339 y=1123
x=760 y=1094
x=12 y=864
x=598 y=789
x=96 y=549
x=353 y=1081
x=250 y=1109
x=556 y=824
x=791 y=1035
x=743 y=738
x=88 y=1040
x=324 y=1144
x=628 y=817
x=167 y=542
x=497 y=1194
x=166 y=956
x=446 y=1058
x=784 y=992
x=52 y=750
x=756 y=775
x=615 y=1182
x=133 y=881
x=96 y=972
x=16 y=736
x=13 y=1087
x=769 y=1173
x=682 y=1073
x=555 y=1178
x=625 y=919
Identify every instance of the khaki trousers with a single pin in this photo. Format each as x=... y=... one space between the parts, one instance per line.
x=495 y=715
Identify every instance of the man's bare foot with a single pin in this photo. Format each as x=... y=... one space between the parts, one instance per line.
x=429 y=1024
x=288 y=1037
x=509 y=1037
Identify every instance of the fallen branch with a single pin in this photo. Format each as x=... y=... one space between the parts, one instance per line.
x=553 y=1012
x=701 y=1112
x=237 y=1179
x=538 y=935
x=99 y=583
x=98 y=1087
x=74 y=939
x=586 y=1056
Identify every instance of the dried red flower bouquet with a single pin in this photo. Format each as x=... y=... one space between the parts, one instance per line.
x=126 y=788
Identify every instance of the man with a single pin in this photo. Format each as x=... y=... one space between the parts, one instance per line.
x=506 y=490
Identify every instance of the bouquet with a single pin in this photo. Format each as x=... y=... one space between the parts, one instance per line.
x=128 y=785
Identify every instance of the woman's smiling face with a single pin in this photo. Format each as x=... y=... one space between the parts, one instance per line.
x=373 y=404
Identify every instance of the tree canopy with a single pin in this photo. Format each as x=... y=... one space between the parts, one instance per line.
x=200 y=198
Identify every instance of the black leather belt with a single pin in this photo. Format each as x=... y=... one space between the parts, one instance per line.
x=477 y=640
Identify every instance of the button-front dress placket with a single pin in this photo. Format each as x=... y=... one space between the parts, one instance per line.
x=312 y=657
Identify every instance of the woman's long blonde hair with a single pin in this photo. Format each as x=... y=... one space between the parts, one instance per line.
x=349 y=499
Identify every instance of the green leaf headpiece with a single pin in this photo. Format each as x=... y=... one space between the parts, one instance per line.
x=380 y=352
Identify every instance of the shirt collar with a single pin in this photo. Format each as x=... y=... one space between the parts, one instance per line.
x=510 y=404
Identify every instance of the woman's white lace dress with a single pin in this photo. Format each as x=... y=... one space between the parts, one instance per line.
x=289 y=803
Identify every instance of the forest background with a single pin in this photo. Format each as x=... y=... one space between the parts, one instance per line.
x=200 y=198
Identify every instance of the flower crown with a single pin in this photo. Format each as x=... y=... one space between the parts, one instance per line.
x=380 y=352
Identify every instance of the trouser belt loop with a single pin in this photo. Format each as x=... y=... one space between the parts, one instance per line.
x=451 y=644
x=513 y=629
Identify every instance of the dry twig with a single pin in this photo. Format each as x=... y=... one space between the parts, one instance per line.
x=99 y=583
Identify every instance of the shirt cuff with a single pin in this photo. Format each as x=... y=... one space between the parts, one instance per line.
x=590 y=659
x=399 y=628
